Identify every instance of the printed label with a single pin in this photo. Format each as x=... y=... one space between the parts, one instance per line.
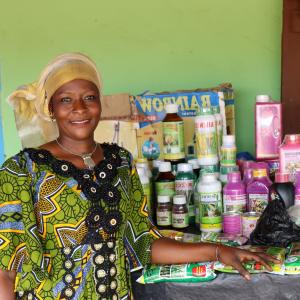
x=234 y=203
x=183 y=186
x=164 y=218
x=258 y=202
x=173 y=139
x=180 y=220
x=210 y=208
x=228 y=156
x=206 y=139
x=165 y=188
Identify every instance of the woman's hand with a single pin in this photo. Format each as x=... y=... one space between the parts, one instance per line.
x=235 y=257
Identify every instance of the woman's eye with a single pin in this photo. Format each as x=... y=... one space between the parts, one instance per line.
x=90 y=97
x=65 y=100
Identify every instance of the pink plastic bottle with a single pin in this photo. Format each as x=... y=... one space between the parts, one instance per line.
x=289 y=155
x=234 y=194
x=268 y=127
x=297 y=189
x=258 y=190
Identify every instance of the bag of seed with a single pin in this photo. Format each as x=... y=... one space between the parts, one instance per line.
x=256 y=267
x=233 y=240
x=194 y=272
x=292 y=262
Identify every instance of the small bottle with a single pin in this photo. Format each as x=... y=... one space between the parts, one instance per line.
x=184 y=185
x=219 y=126
x=258 y=190
x=297 y=189
x=164 y=211
x=146 y=188
x=206 y=137
x=165 y=181
x=234 y=194
x=155 y=168
x=173 y=134
x=196 y=166
x=284 y=188
x=180 y=215
x=228 y=151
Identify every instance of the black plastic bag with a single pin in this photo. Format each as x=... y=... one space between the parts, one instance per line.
x=275 y=226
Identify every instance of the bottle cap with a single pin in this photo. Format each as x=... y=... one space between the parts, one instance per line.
x=259 y=173
x=292 y=139
x=171 y=108
x=179 y=199
x=208 y=177
x=234 y=176
x=163 y=199
x=165 y=166
x=282 y=177
x=228 y=140
x=205 y=111
x=194 y=162
x=156 y=163
x=216 y=109
x=184 y=167
x=263 y=98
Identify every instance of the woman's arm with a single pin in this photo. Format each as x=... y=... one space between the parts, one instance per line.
x=7 y=282
x=167 y=251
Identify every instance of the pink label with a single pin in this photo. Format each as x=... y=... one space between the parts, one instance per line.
x=297 y=199
x=268 y=130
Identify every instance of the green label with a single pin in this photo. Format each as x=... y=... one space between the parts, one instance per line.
x=228 y=156
x=173 y=139
x=210 y=208
x=165 y=188
x=180 y=220
x=207 y=144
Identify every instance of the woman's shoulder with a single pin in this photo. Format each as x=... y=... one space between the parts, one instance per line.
x=16 y=163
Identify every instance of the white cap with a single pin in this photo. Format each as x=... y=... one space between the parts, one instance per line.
x=184 y=167
x=228 y=140
x=163 y=199
x=142 y=160
x=194 y=162
x=179 y=199
x=263 y=98
x=156 y=163
x=209 y=177
x=171 y=108
x=165 y=166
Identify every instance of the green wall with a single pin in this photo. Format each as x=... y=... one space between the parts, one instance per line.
x=148 y=45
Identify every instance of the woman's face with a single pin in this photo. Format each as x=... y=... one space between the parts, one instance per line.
x=77 y=109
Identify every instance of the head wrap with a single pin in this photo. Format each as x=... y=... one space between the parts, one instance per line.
x=31 y=102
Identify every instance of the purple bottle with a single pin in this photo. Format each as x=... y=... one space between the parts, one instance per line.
x=234 y=194
x=258 y=190
x=297 y=188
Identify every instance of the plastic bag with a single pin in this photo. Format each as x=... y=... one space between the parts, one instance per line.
x=275 y=226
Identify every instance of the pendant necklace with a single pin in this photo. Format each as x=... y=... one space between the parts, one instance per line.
x=86 y=157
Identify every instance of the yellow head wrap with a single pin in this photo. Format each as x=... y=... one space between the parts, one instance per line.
x=31 y=102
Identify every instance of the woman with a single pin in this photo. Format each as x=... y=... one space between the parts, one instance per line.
x=73 y=218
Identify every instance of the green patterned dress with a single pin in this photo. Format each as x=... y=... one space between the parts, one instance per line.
x=72 y=233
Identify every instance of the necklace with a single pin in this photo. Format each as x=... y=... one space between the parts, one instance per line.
x=86 y=157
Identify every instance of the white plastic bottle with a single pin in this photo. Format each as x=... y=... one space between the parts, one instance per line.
x=206 y=137
x=145 y=181
x=143 y=162
x=210 y=203
x=228 y=151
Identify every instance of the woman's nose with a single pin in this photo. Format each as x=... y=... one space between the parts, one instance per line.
x=79 y=105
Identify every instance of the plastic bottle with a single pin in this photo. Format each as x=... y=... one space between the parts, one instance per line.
x=165 y=181
x=146 y=188
x=180 y=215
x=210 y=203
x=219 y=126
x=224 y=171
x=258 y=191
x=268 y=127
x=173 y=134
x=284 y=188
x=196 y=167
x=184 y=185
x=155 y=168
x=297 y=189
x=164 y=211
x=289 y=154
x=234 y=194
x=143 y=163
x=206 y=137
x=228 y=151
